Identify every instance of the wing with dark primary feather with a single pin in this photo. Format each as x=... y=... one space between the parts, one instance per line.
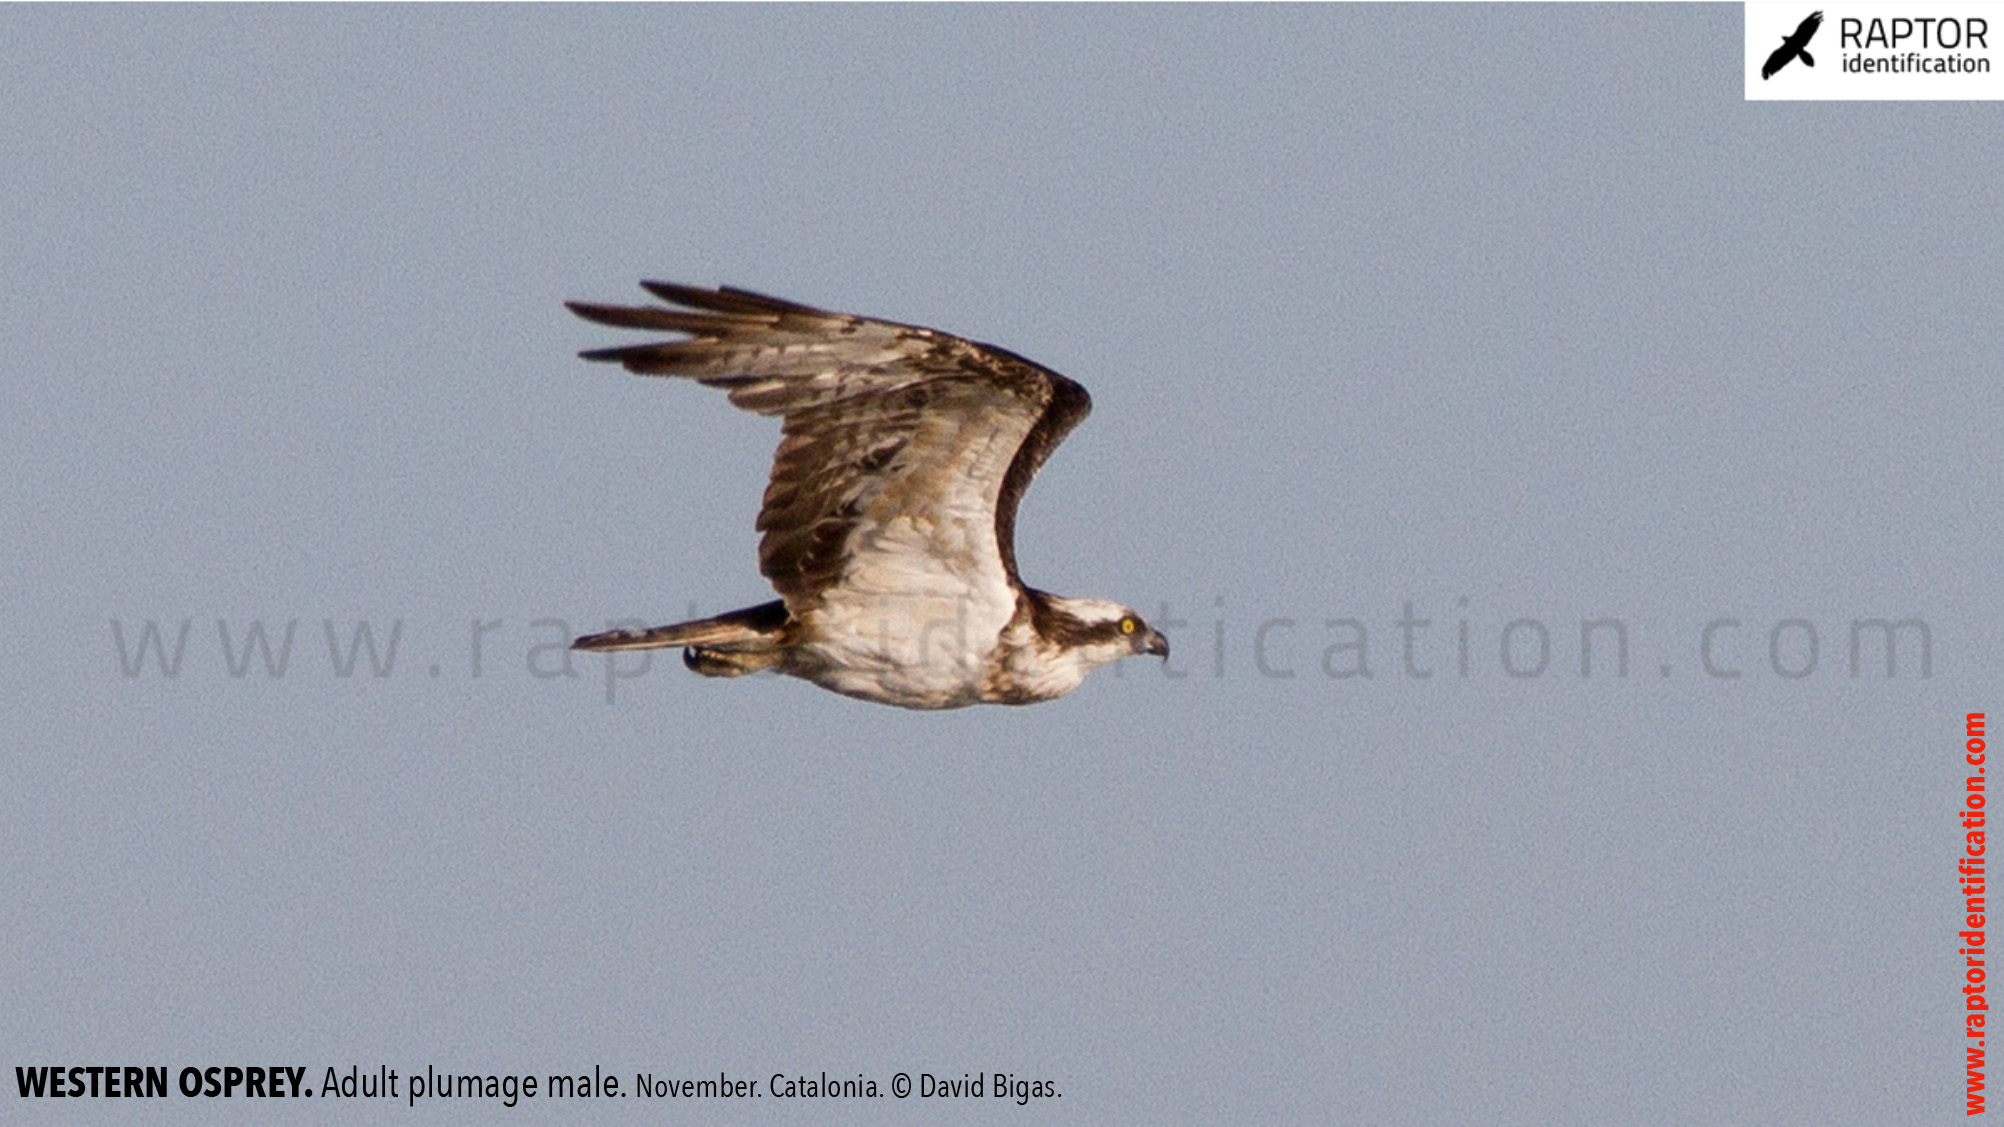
x=903 y=450
x=1806 y=30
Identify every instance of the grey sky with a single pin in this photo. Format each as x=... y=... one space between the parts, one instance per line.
x=1379 y=306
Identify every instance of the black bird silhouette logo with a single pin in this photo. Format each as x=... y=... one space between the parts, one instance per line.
x=1792 y=46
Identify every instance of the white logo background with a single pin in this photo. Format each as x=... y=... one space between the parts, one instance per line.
x=1767 y=24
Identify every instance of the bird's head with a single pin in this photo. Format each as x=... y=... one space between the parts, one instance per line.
x=1098 y=630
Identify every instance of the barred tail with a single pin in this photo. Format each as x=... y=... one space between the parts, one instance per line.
x=728 y=645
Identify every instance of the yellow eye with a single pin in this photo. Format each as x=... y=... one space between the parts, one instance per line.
x=1127 y=626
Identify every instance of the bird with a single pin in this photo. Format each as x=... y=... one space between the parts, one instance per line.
x=1792 y=46
x=888 y=523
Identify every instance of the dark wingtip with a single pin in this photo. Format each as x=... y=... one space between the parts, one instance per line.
x=693 y=297
x=724 y=299
x=656 y=318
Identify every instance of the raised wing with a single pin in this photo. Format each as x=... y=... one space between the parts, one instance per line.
x=1806 y=30
x=904 y=450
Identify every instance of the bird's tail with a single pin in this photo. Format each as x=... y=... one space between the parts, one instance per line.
x=729 y=645
x=1808 y=60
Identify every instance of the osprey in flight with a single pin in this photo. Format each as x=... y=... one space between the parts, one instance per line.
x=1792 y=45
x=889 y=522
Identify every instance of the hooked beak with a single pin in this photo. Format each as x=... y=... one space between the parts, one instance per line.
x=1157 y=645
